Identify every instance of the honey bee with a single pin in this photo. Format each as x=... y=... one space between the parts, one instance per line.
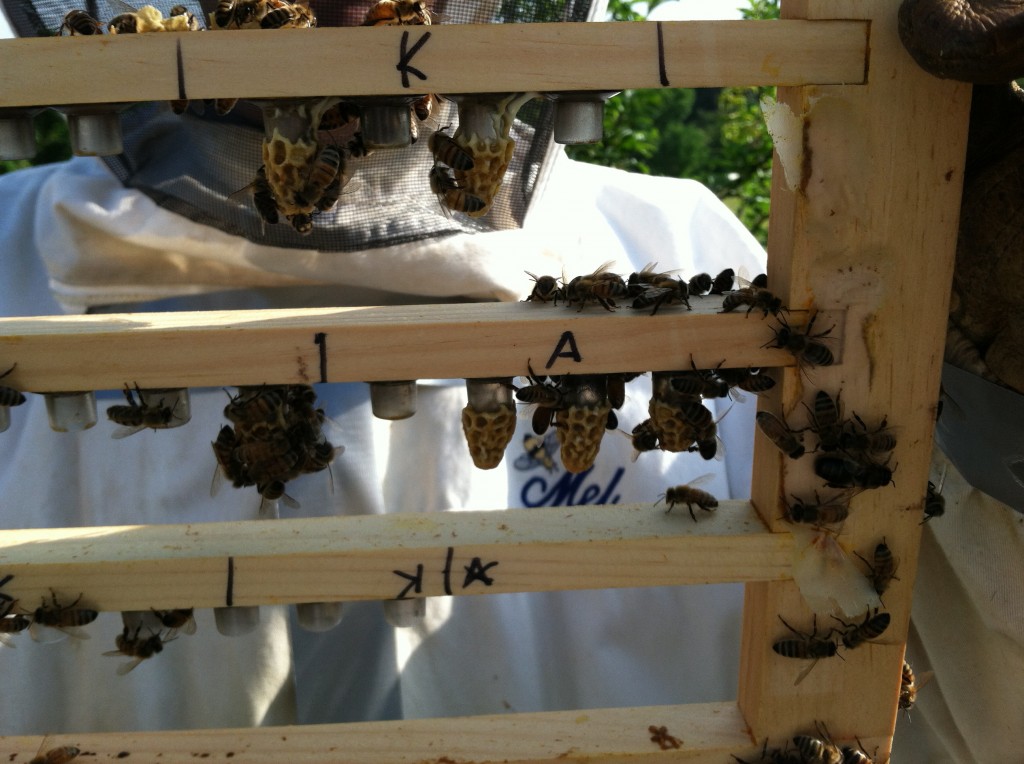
x=805 y=647
x=182 y=620
x=447 y=151
x=451 y=194
x=64 y=618
x=805 y=346
x=8 y=395
x=755 y=298
x=545 y=288
x=537 y=451
x=139 y=415
x=291 y=15
x=698 y=383
x=12 y=624
x=723 y=282
x=934 y=502
x=325 y=170
x=817 y=514
x=857 y=439
x=818 y=749
x=237 y=14
x=674 y=292
x=548 y=396
x=601 y=287
x=856 y=756
x=61 y=755
x=690 y=495
x=749 y=380
x=842 y=472
x=397 y=12
x=125 y=23
x=855 y=634
x=882 y=569
x=80 y=22
x=826 y=420
x=259 y=405
x=181 y=10
x=130 y=644
x=790 y=442
x=700 y=284
x=645 y=437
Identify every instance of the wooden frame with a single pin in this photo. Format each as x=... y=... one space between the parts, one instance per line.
x=867 y=231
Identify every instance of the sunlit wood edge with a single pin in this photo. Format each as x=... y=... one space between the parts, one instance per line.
x=459 y=58
x=378 y=556
x=705 y=732
x=479 y=340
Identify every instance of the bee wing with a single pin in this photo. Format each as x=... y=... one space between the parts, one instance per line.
x=124 y=432
x=603 y=268
x=803 y=674
x=701 y=480
x=119 y=6
x=5 y=639
x=47 y=635
x=124 y=668
x=189 y=628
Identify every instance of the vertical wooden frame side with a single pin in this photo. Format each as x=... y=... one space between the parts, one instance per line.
x=871 y=226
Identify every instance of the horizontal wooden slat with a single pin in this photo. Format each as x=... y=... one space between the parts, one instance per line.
x=385 y=556
x=707 y=732
x=201 y=349
x=456 y=59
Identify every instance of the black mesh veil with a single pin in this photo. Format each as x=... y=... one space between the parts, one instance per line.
x=199 y=165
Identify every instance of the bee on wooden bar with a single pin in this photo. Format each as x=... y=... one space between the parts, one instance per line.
x=856 y=756
x=789 y=441
x=545 y=288
x=882 y=568
x=873 y=626
x=182 y=620
x=397 y=12
x=805 y=347
x=63 y=618
x=700 y=284
x=817 y=514
x=669 y=293
x=723 y=282
x=818 y=749
x=80 y=22
x=601 y=286
x=691 y=496
x=8 y=395
x=129 y=643
x=755 y=298
x=857 y=439
x=826 y=420
x=843 y=472
x=61 y=755
x=934 y=501
x=809 y=647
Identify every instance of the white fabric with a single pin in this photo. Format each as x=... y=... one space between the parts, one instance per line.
x=102 y=244
x=967 y=626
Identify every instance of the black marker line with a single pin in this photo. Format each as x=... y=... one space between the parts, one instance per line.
x=230 y=597
x=320 y=338
x=662 y=73
x=405 y=56
x=181 y=72
x=448 y=570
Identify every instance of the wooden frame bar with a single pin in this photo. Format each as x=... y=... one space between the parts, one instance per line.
x=58 y=353
x=391 y=556
x=361 y=61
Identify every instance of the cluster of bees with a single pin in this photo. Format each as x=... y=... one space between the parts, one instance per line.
x=817 y=748
x=276 y=434
x=69 y=619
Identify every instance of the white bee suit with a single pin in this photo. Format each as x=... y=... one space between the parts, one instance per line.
x=76 y=239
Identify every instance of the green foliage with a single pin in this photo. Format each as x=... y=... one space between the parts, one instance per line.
x=716 y=136
x=52 y=142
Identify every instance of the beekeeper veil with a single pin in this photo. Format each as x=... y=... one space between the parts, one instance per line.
x=202 y=165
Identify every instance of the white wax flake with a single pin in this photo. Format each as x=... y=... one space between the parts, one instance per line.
x=787 y=131
x=828 y=579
